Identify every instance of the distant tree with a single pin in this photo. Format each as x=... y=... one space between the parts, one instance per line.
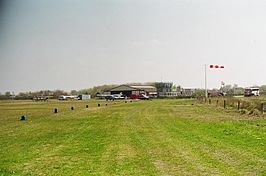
x=228 y=89
x=239 y=91
x=178 y=88
x=8 y=94
x=199 y=93
x=74 y=92
x=3 y=97
x=232 y=90
x=57 y=93
x=23 y=96
x=263 y=90
x=84 y=91
x=47 y=93
x=174 y=87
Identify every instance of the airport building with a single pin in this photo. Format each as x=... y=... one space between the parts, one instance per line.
x=128 y=90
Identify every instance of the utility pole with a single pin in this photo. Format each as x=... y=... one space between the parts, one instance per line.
x=206 y=92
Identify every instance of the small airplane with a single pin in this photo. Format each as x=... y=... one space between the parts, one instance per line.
x=114 y=96
x=67 y=97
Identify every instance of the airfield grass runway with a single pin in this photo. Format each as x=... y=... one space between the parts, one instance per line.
x=158 y=137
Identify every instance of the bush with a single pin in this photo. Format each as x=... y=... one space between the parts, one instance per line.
x=243 y=111
x=254 y=112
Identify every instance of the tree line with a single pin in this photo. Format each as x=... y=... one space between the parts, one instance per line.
x=230 y=90
x=54 y=94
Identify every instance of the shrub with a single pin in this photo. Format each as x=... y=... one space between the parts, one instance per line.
x=254 y=112
x=243 y=111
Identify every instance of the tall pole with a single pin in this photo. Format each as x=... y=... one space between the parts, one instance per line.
x=206 y=92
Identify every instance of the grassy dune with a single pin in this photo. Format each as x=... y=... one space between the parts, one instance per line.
x=159 y=137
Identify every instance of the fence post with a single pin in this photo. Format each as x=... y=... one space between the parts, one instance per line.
x=210 y=101
x=262 y=108
x=23 y=117
x=224 y=104
x=238 y=105
x=217 y=102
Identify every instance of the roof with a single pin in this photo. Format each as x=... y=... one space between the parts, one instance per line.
x=143 y=87
x=123 y=88
x=146 y=88
x=253 y=88
x=132 y=88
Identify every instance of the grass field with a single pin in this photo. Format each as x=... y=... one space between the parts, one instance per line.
x=158 y=137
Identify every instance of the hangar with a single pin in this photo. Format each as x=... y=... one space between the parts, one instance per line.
x=128 y=90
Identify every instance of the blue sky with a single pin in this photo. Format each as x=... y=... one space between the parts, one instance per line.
x=78 y=44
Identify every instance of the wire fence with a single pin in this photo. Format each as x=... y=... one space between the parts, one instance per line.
x=245 y=105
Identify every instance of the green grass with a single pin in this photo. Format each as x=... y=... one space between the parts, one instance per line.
x=158 y=137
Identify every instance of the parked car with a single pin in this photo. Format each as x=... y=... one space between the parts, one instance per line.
x=139 y=96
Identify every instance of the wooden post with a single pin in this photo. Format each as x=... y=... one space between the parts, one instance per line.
x=238 y=105
x=72 y=108
x=217 y=102
x=23 y=117
x=262 y=108
x=210 y=101
x=87 y=106
x=99 y=104
x=224 y=104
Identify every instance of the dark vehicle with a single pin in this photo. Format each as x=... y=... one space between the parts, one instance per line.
x=216 y=94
